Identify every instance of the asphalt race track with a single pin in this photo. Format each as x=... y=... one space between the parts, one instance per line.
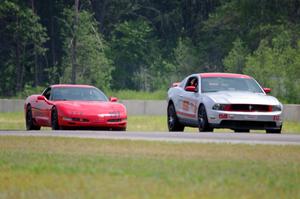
x=233 y=138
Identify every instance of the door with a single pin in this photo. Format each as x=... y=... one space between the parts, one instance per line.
x=189 y=99
x=43 y=109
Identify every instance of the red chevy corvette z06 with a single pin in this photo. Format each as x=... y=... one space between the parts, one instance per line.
x=222 y=100
x=67 y=106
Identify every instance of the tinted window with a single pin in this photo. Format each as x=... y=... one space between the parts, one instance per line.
x=214 y=84
x=47 y=92
x=77 y=93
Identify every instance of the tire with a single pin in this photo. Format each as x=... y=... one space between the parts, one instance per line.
x=29 y=120
x=275 y=131
x=54 y=120
x=173 y=122
x=203 y=121
x=242 y=130
x=119 y=129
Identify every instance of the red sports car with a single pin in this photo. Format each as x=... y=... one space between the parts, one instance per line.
x=66 y=106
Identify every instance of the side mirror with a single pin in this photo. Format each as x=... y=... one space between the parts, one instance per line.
x=267 y=90
x=113 y=99
x=41 y=98
x=191 y=89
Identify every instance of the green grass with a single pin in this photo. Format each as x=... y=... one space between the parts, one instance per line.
x=15 y=121
x=32 y=167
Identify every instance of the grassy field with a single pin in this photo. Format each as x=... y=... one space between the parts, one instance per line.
x=32 y=167
x=15 y=121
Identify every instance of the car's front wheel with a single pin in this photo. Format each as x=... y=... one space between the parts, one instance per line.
x=29 y=120
x=173 y=122
x=203 y=121
x=120 y=129
x=54 y=120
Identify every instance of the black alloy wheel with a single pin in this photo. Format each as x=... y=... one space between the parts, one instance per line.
x=203 y=121
x=173 y=123
x=29 y=120
x=54 y=120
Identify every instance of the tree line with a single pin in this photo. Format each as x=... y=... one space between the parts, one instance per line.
x=147 y=44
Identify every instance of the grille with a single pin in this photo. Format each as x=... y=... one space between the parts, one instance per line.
x=114 y=120
x=76 y=119
x=250 y=108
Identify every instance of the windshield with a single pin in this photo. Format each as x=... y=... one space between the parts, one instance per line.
x=214 y=84
x=77 y=93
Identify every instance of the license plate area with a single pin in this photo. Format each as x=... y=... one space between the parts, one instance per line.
x=251 y=117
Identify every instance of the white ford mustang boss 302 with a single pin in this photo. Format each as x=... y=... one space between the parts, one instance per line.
x=222 y=100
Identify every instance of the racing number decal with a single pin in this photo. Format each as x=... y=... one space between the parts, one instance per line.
x=189 y=108
x=185 y=105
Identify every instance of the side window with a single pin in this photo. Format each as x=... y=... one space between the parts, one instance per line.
x=47 y=93
x=192 y=81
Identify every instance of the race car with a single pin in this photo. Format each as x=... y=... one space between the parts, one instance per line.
x=68 y=106
x=222 y=100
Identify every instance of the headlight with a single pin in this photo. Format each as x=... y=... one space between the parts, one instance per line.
x=276 y=108
x=221 y=107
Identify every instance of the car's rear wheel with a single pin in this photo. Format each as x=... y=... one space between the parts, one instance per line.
x=173 y=122
x=241 y=130
x=203 y=121
x=276 y=131
x=29 y=120
x=54 y=120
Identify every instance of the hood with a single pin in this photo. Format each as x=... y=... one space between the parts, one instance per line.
x=228 y=97
x=90 y=107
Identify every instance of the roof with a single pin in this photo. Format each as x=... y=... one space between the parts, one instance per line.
x=228 y=75
x=71 y=86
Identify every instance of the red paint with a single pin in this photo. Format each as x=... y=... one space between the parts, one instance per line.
x=190 y=88
x=267 y=90
x=226 y=75
x=227 y=108
x=84 y=113
x=71 y=85
x=186 y=114
x=223 y=116
x=113 y=99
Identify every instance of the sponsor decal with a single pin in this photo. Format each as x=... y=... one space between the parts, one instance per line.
x=185 y=105
x=186 y=114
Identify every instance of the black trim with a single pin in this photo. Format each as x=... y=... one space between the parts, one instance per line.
x=187 y=122
x=242 y=124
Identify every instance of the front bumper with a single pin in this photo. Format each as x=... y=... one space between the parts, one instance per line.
x=245 y=120
x=93 y=122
